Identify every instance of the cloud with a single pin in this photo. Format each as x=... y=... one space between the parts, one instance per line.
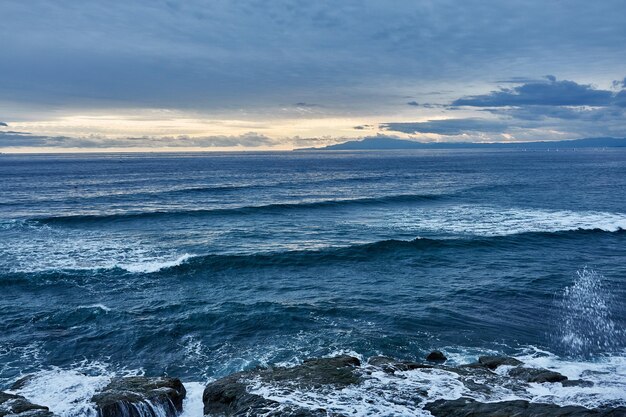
x=447 y=127
x=3 y=124
x=619 y=83
x=204 y=55
x=620 y=99
x=247 y=140
x=584 y=113
x=413 y=103
x=548 y=93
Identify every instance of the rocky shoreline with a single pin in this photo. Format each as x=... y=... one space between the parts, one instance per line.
x=285 y=391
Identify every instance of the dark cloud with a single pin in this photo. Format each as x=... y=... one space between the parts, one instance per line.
x=620 y=99
x=540 y=113
x=363 y=127
x=447 y=127
x=413 y=103
x=520 y=80
x=3 y=124
x=619 y=83
x=303 y=104
x=549 y=93
x=233 y=54
x=248 y=140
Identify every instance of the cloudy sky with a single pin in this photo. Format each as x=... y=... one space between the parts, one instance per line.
x=247 y=74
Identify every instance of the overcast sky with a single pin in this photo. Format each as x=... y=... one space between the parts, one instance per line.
x=218 y=74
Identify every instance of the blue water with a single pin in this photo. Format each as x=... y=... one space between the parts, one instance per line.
x=199 y=265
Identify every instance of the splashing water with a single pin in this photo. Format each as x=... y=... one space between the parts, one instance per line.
x=587 y=327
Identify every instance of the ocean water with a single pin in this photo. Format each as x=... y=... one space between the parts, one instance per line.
x=200 y=265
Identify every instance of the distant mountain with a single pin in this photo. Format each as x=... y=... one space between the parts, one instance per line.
x=382 y=143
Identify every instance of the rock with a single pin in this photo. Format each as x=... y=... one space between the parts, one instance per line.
x=12 y=405
x=436 y=356
x=493 y=362
x=141 y=397
x=390 y=365
x=577 y=383
x=22 y=382
x=536 y=375
x=229 y=396
x=313 y=373
x=465 y=407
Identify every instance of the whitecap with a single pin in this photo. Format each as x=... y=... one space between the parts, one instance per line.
x=151 y=266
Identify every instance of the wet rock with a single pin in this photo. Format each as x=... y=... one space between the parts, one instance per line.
x=390 y=365
x=493 y=362
x=12 y=405
x=229 y=396
x=141 y=397
x=536 y=375
x=465 y=407
x=577 y=383
x=22 y=382
x=314 y=373
x=436 y=356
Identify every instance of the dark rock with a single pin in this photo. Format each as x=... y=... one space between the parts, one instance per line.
x=380 y=361
x=141 y=397
x=12 y=405
x=577 y=383
x=436 y=356
x=337 y=371
x=22 y=382
x=465 y=407
x=536 y=375
x=492 y=362
x=229 y=396
x=390 y=365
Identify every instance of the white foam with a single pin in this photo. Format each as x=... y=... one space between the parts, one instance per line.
x=96 y=306
x=481 y=220
x=192 y=404
x=607 y=373
x=154 y=265
x=382 y=394
x=67 y=392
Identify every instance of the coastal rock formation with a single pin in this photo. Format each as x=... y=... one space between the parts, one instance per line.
x=141 y=397
x=229 y=396
x=12 y=405
x=279 y=391
x=466 y=407
x=340 y=386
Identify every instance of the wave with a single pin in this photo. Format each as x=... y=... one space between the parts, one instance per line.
x=148 y=263
x=361 y=252
x=154 y=265
x=266 y=208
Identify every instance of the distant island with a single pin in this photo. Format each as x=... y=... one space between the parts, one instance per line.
x=386 y=143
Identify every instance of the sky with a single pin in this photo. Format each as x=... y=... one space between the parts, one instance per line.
x=259 y=75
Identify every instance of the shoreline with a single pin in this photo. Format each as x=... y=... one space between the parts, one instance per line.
x=339 y=386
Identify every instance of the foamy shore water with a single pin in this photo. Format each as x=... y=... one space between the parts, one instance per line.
x=404 y=392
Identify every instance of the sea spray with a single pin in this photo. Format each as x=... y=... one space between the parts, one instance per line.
x=587 y=327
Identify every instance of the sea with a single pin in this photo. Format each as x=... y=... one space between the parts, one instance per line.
x=198 y=265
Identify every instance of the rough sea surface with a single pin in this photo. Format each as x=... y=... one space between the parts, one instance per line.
x=200 y=265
